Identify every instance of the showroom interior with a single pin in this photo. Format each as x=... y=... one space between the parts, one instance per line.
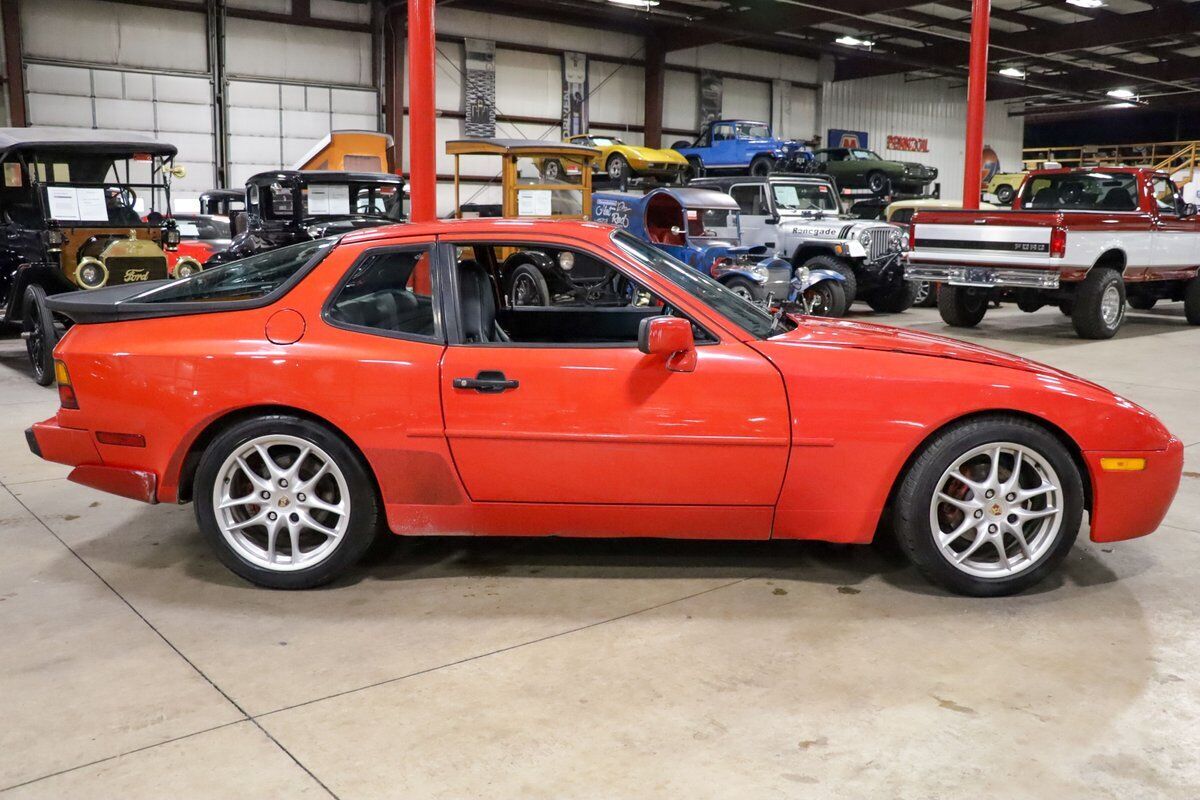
x=600 y=398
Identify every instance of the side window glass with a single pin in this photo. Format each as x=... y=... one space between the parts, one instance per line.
x=391 y=292
x=1165 y=196
x=750 y=198
x=722 y=133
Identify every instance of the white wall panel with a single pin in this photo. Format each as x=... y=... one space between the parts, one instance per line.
x=339 y=10
x=932 y=109
x=680 y=104
x=746 y=61
x=528 y=84
x=296 y=53
x=746 y=100
x=801 y=121
x=453 y=21
x=618 y=92
x=114 y=33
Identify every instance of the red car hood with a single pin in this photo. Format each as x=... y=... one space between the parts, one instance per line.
x=869 y=336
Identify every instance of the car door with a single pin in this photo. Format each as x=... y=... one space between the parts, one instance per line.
x=755 y=211
x=724 y=149
x=842 y=167
x=599 y=422
x=1176 y=249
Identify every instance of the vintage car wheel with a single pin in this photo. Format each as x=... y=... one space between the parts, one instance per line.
x=286 y=503
x=962 y=306
x=826 y=299
x=990 y=506
x=552 y=171
x=762 y=166
x=617 y=167
x=1191 y=301
x=1005 y=194
x=878 y=183
x=1099 y=304
x=1142 y=302
x=526 y=286
x=849 y=286
x=745 y=288
x=894 y=300
x=695 y=168
x=37 y=328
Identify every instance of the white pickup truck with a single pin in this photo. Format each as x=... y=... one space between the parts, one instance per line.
x=1085 y=240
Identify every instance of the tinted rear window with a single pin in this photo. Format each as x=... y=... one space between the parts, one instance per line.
x=247 y=279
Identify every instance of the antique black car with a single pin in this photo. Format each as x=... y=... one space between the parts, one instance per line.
x=79 y=209
x=222 y=202
x=292 y=206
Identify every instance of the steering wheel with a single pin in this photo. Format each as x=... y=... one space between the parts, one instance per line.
x=126 y=195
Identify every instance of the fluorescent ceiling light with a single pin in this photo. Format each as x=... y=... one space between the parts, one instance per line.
x=1121 y=94
x=1012 y=72
x=853 y=41
x=1086 y=3
x=1121 y=105
x=643 y=4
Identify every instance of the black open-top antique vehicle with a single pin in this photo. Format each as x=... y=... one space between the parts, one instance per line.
x=70 y=219
x=289 y=206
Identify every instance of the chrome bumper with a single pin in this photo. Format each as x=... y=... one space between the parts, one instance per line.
x=985 y=277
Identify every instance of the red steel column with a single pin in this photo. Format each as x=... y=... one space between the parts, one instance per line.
x=422 y=131
x=976 y=102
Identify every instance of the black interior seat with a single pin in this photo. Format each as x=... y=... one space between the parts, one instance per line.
x=478 y=303
x=1118 y=199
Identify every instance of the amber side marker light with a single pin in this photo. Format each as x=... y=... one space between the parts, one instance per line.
x=66 y=392
x=1122 y=464
x=123 y=439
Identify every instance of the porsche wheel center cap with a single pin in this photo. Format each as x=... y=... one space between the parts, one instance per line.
x=996 y=509
x=283 y=502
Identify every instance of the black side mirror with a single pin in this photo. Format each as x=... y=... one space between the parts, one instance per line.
x=772 y=220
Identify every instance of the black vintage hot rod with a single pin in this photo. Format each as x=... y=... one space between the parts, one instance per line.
x=70 y=219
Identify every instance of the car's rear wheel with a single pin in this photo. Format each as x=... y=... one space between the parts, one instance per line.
x=1142 y=302
x=893 y=300
x=990 y=506
x=526 y=286
x=878 y=183
x=849 y=286
x=552 y=171
x=695 y=168
x=617 y=167
x=826 y=299
x=285 y=502
x=962 y=306
x=1099 y=304
x=37 y=328
x=1191 y=301
x=1004 y=194
x=762 y=166
x=745 y=288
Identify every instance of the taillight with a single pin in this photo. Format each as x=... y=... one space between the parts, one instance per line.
x=66 y=392
x=912 y=236
x=1058 y=242
x=123 y=439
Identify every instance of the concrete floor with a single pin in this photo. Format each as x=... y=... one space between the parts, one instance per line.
x=133 y=665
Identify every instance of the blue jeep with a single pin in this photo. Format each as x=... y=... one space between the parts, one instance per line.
x=741 y=146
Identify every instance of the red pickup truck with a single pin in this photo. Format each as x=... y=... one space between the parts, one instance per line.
x=1082 y=239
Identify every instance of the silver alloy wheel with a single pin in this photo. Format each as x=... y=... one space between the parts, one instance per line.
x=615 y=168
x=281 y=503
x=1110 y=305
x=743 y=292
x=997 y=510
x=922 y=294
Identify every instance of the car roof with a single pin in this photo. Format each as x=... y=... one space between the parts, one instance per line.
x=82 y=139
x=324 y=176
x=1085 y=170
x=583 y=230
x=779 y=177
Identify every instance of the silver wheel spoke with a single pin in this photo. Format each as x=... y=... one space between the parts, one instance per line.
x=967 y=524
x=1019 y=535
x=965 y=505
x=1014 y=480
x=308 y=522
x=251 y=475
x=1002 y=553
x=1041 y=513
x=316 y=503
x=1029 y=494
x=975 y=545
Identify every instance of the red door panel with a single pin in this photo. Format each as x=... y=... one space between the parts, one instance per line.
x=611 y=425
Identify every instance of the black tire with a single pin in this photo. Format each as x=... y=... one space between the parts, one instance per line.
x=1029 y=306
x=962 y=306
x=1004 y=194
x=895 y=300
x=826 y=299
x=681 y=144
x=37 y=327
x=695 y=168
x=552 y=171
x=1099 y=289
x=849 y=286
x=526 y=286
x=1066 y=307
x=1191 y=301
x=744 y=287
x=1142 y=302
x=912 y=508
x=878 y=183
x=618 y=168
x=762 y=166
x=929 y=300
x=365 y=521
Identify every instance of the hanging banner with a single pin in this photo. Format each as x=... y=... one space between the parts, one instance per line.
x=479 y=88
x=711 y=91
x=575 y=94
x=839 y=137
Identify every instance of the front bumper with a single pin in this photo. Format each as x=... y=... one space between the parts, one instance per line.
x=76 y=448
x=984 y=277
x=1126 y=505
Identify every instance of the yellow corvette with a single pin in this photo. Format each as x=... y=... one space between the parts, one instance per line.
x=622 y=160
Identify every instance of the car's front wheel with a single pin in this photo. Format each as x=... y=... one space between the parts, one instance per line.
x=1099 y=304
x=893 y=300
x=825 y=299
x=962 y=306
x=617 y=168
x=37 y=328
x=285 y=502
x=990 y=506
x=745 y=288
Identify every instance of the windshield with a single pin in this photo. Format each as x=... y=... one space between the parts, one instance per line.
x=1087 y=191
x=605 y=141
x=248 y=279
x=791 y=197
x=741 y=312
x=865 y=155
x=202 y=227
x=346 y=199
x=72 y=186
x=753 y=130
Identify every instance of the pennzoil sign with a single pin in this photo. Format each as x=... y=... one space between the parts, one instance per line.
x=909 y=144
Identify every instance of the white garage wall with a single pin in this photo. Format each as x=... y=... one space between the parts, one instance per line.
x=932 y=109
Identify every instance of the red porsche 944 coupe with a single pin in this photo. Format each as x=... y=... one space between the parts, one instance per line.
x=306 y=399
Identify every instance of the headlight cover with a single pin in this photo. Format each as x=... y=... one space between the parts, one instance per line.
x=91 y=273
x=864 y=238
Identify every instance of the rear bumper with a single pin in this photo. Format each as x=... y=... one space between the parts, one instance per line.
x=985 y=277
x=76 y=448
x=1126 y=505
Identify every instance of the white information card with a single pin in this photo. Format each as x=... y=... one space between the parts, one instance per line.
x=533 y=203
x=328 y=199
